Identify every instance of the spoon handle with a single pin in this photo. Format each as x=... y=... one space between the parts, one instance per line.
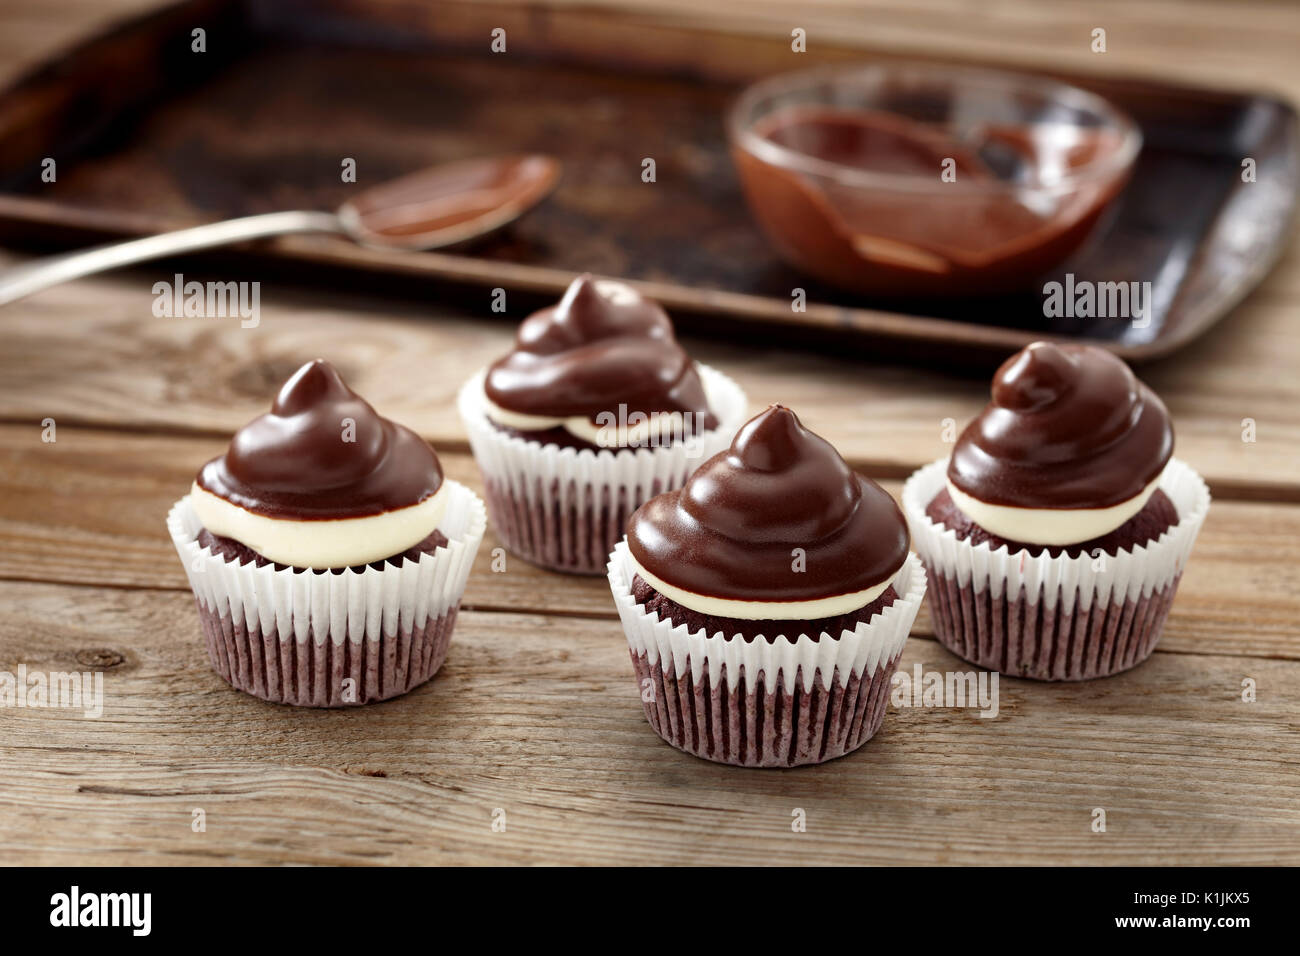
x=30 y=277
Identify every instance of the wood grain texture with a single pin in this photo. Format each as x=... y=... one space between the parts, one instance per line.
x=1202 y=42
x=539 y=716
x=536 y=711
x=89 y=509
x=93 y=353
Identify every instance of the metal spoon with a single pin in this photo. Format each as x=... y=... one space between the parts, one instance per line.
x=436 y=207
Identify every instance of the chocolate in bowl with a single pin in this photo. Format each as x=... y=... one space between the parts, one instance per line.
x=912 y=179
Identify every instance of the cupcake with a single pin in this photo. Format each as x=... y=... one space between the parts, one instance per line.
x=595 y=410
x=1056 y=534
x=767 y=601
x=326 y=550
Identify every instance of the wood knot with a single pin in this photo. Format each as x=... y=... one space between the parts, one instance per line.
x=101 y=658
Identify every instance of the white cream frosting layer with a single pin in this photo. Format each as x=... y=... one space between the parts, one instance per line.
x=640 y=432
x=330 y=543
x=832 y=606
x=1049 y=526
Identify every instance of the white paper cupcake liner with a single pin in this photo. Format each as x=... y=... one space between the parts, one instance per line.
x=293 y=636
x=1053 y=618
x=564 y=508
x=760 y=704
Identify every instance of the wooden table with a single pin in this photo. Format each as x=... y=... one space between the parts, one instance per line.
x=535 y=712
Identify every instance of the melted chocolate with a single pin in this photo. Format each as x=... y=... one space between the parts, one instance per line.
x=1069 y=426
x=601 y=347
x=731 y=530
x=925 y=240
x=297 y=463
x=870 y=140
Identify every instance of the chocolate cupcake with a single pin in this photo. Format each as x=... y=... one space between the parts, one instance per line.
x=595 y=410
x=1057 y=532
x=767 y=601
x=326 y=550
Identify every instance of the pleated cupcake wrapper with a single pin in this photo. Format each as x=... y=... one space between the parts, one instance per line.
x=312 y=673
x=759 y=704
x=565 y=508
x=1053 y=618
x=1020 y=639
x=771 y=728
x=870 y=646
x=332 y=618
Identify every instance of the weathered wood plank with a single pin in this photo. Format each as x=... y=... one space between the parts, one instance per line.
x=89 y=509
x=93 y=353
x=1200 y=41
x=539 y=716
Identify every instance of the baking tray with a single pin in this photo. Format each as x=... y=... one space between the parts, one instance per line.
x=150 y=136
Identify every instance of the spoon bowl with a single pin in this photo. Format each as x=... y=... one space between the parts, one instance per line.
x=449 y=204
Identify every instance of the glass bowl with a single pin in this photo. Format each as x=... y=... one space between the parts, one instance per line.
x=916 y=179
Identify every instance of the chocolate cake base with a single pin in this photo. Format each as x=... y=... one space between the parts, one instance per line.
x=562 y=537
x=1156 y=517
x=1028 y=638
x=1024 y=639
x=752 y=725
x=311 y=673
x=669 y=610
x=233 y=550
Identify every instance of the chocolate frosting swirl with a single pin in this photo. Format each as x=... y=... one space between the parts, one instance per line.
x=730 y=531
x=603 y=345
x=295 y=463
x=1070 y=426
